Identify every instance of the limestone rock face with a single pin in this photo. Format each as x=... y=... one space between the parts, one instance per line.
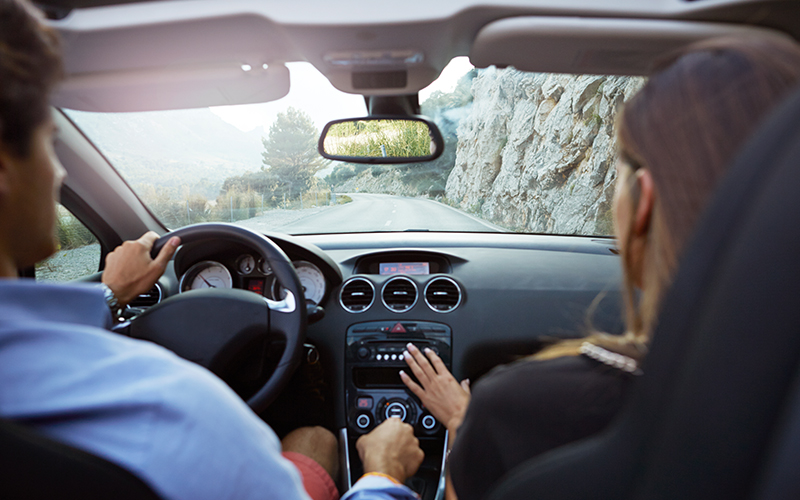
x=536 y=152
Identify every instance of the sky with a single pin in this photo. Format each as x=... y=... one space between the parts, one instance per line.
x=311 y=92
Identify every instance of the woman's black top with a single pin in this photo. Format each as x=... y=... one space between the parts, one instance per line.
x=523 y=409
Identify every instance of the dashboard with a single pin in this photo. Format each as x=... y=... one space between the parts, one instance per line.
x=478 y=299
x=503 y=295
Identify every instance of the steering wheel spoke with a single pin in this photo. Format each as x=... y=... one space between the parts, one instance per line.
x=287 y=305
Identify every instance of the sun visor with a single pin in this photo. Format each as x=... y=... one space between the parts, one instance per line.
x=591 y=46
x=173 y=88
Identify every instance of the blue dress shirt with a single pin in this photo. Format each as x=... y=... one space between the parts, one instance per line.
x=170 y=422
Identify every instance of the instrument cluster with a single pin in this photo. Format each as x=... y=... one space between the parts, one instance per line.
x=249 y=273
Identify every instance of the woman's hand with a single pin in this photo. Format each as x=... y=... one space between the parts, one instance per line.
x=442 y=395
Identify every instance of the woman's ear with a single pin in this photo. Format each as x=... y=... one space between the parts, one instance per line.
x=644 y=207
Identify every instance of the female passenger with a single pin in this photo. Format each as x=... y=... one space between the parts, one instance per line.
x=677 y=136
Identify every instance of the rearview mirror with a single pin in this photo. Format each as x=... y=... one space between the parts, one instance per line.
x=381 y=139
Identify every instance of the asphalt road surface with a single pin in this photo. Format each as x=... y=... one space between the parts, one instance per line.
x=371 y=212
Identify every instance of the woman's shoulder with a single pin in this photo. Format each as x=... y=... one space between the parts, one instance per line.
x=557 y=380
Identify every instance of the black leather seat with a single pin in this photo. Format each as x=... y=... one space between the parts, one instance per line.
x=717 y=412
x=35 y=467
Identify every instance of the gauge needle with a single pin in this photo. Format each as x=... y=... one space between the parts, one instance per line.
x=206 y=281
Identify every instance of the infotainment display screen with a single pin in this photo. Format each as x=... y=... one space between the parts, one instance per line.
x=387 y=268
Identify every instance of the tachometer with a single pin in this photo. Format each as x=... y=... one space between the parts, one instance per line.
x=206 y=274
x=312 y=279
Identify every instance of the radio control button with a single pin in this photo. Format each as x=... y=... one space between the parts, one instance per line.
x=394 y=357
x=428 y=422
x=363 y=352
x=363 y=421
x=379 y=357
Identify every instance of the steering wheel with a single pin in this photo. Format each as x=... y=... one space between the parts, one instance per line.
x=211 y=327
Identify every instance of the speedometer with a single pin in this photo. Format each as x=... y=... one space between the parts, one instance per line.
x=312 y=279
x=206 y=274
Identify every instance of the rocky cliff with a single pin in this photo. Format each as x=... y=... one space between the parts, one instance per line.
x=536 y=152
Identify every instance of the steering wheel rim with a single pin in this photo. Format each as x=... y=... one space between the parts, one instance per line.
x=287 y=318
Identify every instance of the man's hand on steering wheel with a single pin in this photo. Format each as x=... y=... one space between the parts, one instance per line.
x=216 y=327
x=131 y=271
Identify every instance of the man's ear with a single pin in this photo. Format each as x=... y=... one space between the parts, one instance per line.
x=644 y=208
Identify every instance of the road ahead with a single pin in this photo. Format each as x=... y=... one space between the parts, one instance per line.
x=373 y=212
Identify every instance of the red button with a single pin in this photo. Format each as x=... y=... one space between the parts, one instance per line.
x=398 y=328
x=364 y=403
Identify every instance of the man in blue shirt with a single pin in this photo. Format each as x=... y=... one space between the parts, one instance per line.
x=170 y=422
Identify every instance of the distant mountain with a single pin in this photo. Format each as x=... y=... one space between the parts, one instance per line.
x=182 y=151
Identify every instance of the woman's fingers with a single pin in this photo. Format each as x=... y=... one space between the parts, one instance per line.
x=436 y=361
x=418 y=371
x=423 y=361
x=415 y=388
x=465 y=386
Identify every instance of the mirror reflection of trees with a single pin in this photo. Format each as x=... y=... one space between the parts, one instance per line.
x=379 y=139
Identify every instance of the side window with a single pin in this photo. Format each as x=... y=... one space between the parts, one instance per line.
x=78 y=251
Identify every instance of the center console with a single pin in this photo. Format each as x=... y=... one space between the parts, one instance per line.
x=375 y=392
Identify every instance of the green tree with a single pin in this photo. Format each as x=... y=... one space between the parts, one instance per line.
x=290 y=153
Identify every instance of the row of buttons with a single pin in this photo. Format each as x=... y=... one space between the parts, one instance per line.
x=364 y=420
x=388 y=353
x=399 y=328
x=394 y=410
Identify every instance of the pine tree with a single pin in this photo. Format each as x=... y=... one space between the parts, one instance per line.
x=290 y=152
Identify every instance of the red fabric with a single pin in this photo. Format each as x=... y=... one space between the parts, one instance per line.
x=316 y=480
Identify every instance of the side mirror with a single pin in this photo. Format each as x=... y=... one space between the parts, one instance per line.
x=381 y=139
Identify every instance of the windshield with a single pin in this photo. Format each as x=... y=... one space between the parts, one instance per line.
x=524 y=152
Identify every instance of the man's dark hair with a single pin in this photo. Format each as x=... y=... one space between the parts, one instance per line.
x=30 y=66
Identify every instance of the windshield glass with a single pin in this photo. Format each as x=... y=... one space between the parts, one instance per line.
x=524 y=152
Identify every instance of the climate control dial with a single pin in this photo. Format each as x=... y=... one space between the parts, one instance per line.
x=397 y=408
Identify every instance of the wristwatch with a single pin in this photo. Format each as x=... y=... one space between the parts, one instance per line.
x=111 y=300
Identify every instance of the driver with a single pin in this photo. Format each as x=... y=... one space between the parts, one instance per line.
x=168 y=421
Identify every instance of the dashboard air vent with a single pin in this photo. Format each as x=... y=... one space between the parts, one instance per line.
x=399 y=294
x=442 y=294
x=149 y=298
x=357 y=295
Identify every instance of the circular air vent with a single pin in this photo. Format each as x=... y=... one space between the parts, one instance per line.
x=399 y=294
x=148 y=298
x=442 y=294
x=357 y=295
